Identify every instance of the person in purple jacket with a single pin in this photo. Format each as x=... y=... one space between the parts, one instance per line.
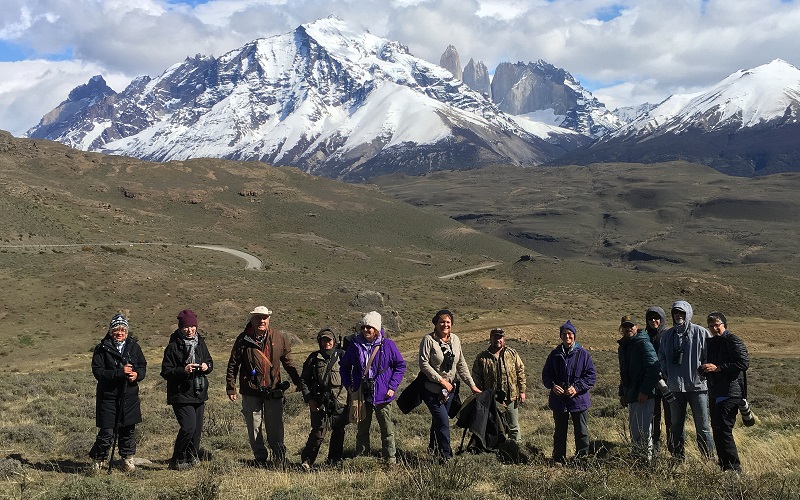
x=379 y=383
x=569 y=374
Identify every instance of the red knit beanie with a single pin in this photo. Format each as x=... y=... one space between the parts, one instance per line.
x=187 y=317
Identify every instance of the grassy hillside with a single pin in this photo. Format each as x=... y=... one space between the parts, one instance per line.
x=665 y=216
x=332 y=251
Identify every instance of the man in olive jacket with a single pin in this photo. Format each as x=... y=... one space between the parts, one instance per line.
x=256 y=357
x=500 y=368
x=639 y=372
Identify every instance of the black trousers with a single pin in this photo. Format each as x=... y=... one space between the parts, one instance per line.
x=126 y=437
x=580 y=429
x=319 y=427
x=657 y=410
x=190 y=420
x=723 y=417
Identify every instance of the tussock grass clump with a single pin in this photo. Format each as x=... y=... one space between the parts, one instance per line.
x=204 y=486
x=97 y=488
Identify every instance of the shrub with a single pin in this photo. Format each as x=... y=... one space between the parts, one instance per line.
x=97 y=488
x=205 y=487
x=31 y=435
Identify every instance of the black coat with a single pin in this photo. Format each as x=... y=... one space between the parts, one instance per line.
x=113 y=387
x=729 y=353
x=182 y=387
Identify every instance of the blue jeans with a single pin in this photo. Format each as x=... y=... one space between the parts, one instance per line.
x=439 y=443
x=698 y=401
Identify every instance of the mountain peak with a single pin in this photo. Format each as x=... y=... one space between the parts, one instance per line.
x=451 y=61
x=329 y=99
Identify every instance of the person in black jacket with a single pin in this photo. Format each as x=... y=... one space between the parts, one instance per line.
x=655 y=323
x=185 y=366
x=326 y=398
x=118 y=364
x=726 y=365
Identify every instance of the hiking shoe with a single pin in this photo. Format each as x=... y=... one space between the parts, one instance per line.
x=128 y=465
x=204 y=455
x=305 y=466
x=98 y=466
x=180 y=464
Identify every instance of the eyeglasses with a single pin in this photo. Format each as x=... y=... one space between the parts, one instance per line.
x=367 y=327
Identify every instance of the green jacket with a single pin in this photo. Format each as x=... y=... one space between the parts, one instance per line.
x=638 y=367
x=505 y=372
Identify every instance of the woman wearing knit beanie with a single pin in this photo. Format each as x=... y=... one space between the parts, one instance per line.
x=185 y=366
x=118 y=364
x=569 y=374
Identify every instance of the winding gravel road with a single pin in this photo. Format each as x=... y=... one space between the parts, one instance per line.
x=252 y=262
x=467 y=271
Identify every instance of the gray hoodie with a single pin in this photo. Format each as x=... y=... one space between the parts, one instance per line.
x=691 y=340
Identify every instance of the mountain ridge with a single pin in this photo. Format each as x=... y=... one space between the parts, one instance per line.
x=330 y=100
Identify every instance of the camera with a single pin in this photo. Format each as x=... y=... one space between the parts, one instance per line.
x=748 y=419
x=368 y=387
x=663 y=388
x=277 y=392
x=677 y=357
x=449 y=359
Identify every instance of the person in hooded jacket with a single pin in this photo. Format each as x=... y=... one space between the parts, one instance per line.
x=639 y=372
x=373 y=364
x=683 y=349
x=655 y=322
x=326 y=398
x=569 y=374
x=185 y=367
x=118 y=364
x=725 y=368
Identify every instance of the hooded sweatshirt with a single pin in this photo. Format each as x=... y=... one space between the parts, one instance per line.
x=655 y=335
x=686 y=343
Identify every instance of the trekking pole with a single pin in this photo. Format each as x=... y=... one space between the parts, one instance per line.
x=118 y=420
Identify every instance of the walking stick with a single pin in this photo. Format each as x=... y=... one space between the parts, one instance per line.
x=118 y=419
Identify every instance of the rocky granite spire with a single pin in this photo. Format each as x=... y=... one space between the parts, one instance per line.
x=451 y=62
x=476 y=77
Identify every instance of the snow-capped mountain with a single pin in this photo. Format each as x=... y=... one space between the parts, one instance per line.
x=629 y=113
x=544 y=89
x=326 y=98
x=765 y=95
x=747 y=124
x=538 y=91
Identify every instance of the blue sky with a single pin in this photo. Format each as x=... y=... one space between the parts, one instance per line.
x=625 y=51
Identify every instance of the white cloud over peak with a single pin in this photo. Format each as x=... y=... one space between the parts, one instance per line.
x=631 y=51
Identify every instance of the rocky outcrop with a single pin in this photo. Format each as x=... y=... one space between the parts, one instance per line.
x=451 y=62
x=521 y=88
x=476 y=77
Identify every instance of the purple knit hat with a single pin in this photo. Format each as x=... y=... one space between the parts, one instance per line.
x=568 y=326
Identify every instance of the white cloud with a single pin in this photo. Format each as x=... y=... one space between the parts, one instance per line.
x=632 y=50
x=29 y=89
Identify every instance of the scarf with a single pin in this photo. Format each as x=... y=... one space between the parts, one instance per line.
x=119 y=345
x=190 y=348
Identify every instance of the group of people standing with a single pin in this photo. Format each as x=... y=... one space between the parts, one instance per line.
x=351 y=382
x=702 y=368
